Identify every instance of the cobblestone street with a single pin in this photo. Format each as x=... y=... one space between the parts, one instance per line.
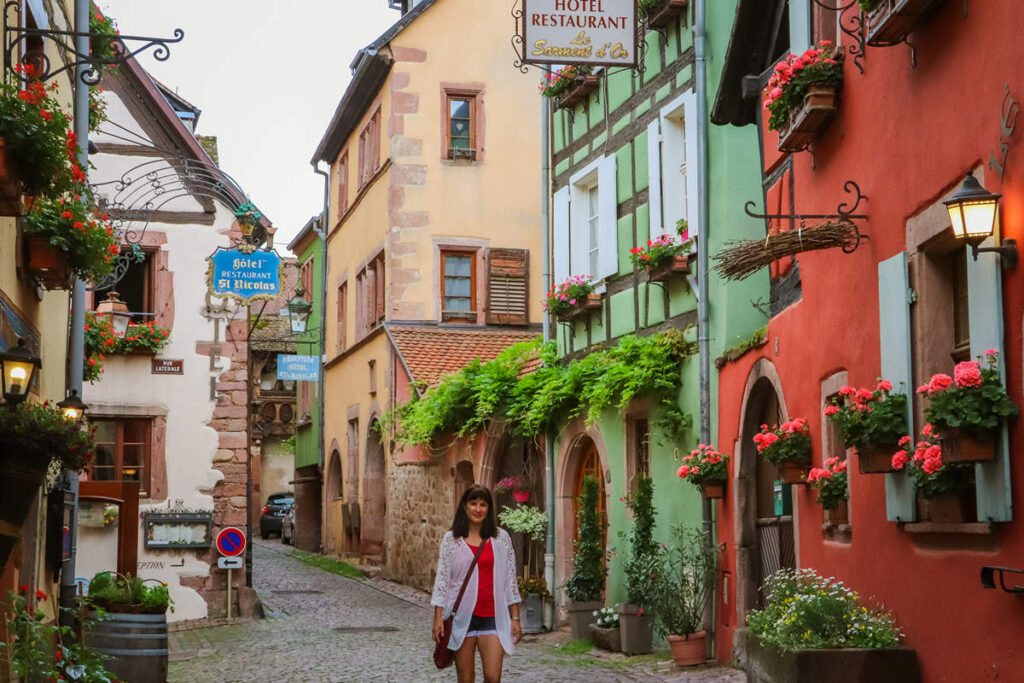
x=325 y=627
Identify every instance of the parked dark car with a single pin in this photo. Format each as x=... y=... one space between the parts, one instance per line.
x=273 y=511
x=288 y=525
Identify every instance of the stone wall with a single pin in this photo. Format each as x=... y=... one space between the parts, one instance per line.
x=420 y=510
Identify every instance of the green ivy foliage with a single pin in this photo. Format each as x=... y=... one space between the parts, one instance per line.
x=588 y=571
x=537 y=403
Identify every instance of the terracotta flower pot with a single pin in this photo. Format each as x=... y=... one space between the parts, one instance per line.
x=876 y=460
x=663 y=16
x=679 y=265
x=713 y=490
x=949 y=508
x=810 y=120
x=521 y=496
x=688 y=650
x=958 y=446
x=840 y=514
x=791 y=472
x=49 y=264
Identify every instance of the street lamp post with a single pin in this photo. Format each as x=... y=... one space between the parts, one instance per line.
x=972 y=211
x=17 y=370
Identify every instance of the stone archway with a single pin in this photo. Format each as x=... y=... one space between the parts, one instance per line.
x=765 y=542
x=463 y=480
x=375 y=496
x=583 y=454
x=334 y=533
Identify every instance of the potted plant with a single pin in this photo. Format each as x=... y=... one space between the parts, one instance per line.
x=604 y=632
x=132 y=630
x=659 y=13
x=943 y=488
x=586 y=585
x=816 y=629
x=889 y=22
x=532 y=523
x=871 y=420
x=634 y=616
x=788 y=447
x=707 y=469
x=570 y=85
x=100 y=339
x=685 y=573
x=830 y=481
x=63 y=238
x=515 y=485
x=968 y=409
x=571 y=298
x=801 y=96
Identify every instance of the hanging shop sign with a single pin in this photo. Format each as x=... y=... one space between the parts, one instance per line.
x=246 y=276
x=594 y=32
x=299 y=368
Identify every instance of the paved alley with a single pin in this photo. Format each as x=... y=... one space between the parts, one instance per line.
x=326 y=627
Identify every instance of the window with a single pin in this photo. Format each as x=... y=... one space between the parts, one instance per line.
x=593 y=217
x=461 y=128
x=306 y=392
x=638 y=449
x=590 y=240
x=122 y=451
x=353 y=460
x=369 y=149
x=135 y=288
x=833 y=447
x=343 y=184
x=458 y=285
x=306 y=278
x=370 y=290
x=342 y=313
x=372 y=366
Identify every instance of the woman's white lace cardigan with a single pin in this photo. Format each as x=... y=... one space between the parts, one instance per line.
x=452 y=564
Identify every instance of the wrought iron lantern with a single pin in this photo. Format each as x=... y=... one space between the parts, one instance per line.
x=247 y=216
x=17 y=370
x=972 y=211
x=116 y=313
x=72 y=407
x=298 y=311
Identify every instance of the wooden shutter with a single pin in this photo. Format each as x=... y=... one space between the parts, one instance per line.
x=608 y=219
x=508 y=286
x=894 y=335
x=654 y=178
x=560 y=235
x=985 y=302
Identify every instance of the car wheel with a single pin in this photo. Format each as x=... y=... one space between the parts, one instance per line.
x=264 y=534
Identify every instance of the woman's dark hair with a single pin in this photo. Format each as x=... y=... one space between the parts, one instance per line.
x=460 y=527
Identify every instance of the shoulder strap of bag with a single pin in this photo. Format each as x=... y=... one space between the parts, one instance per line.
x=476 y=556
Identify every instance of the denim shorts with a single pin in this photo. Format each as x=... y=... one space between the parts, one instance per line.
x=481 y=626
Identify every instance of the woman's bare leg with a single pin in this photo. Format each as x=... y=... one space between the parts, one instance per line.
x=491 y=656
x=464 y=664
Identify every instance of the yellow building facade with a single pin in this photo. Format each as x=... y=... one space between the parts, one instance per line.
x=434 y=238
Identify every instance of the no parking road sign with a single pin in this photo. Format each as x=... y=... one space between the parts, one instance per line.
x=231 y=541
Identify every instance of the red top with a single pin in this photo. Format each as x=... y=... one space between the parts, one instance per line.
x=485 y=582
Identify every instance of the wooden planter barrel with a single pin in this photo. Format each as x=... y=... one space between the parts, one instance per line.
x=893 y=20
x=792 y=472
x=810 y=120
x=578 y=91
x=958 y=446
x=876 y=460
x=136 y=643
x=665 y=14
x=47 y=263
x=679 y=265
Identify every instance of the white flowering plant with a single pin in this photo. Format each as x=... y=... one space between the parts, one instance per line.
x=525 y=519
x=607 y=617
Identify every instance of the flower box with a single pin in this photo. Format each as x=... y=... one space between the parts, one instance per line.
x=960 y=447
x=47 y=263
x=581 y=87
x=876 y=460
x=955 y=507
x=679 y=265
x=636 y=630
x=665 y=14
x=846 y=665
x=141 y=351
x=606 y=638
x=810 y=120
x=581 y=616
x=793 y=472
x=713 y=490
x=840 y=514
x=893 y=20
x=580 y=308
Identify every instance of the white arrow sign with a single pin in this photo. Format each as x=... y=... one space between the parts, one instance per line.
x=229 y=562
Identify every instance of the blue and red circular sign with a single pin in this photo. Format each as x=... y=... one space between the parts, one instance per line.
x=231 y=541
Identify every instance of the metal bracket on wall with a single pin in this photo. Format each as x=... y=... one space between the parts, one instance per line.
x=844 y=212
x=16 y=35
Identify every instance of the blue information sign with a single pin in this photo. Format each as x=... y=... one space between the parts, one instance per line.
x=301 y=368
x=255 y=275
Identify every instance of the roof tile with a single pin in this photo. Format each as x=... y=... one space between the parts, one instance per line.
x=430 y=353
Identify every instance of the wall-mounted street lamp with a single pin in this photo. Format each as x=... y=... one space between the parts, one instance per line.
x=972 y=210
x=116 y=313
x=72 y=407
x=17 y=370
x=298 y=311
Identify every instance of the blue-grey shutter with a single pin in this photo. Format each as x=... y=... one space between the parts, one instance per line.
x=985 y=304
x=894 y=335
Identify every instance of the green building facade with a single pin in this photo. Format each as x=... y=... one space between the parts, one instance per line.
x=625 y=170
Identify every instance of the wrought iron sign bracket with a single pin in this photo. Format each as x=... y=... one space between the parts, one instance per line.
x=844 y=212
x=15 y=35
x=851 y=24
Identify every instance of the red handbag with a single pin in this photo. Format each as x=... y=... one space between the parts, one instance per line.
x=442 y=655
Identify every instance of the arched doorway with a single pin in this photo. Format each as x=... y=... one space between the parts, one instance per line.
x=463 y=480
x=589 y=463
x=334 y=535
x=765 y=541
x=523 y=458
x=375 y=495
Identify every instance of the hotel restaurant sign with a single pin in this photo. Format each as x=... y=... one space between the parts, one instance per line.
x=594 y=32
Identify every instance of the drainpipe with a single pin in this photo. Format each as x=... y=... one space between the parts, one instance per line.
x=704 y=353
x=76 y=346
x=321 y=231
x=549 y=446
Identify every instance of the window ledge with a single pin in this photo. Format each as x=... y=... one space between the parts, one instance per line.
x=969 y=528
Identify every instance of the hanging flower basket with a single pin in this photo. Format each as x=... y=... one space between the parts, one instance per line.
x=788 y=447
x=578 y=91
x=660 y=13
x=891 y=21
x=713 y=490
x=521 y=496
x=810 y=120
x=47 y=263
x=960 y=446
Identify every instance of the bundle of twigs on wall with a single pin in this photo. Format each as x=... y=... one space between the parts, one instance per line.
x=742 y=258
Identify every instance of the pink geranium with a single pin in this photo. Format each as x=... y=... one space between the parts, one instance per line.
x=967 y=374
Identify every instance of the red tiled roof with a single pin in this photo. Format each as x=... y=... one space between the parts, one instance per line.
x=430 y=353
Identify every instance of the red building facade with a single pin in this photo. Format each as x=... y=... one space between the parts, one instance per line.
x=908 y=302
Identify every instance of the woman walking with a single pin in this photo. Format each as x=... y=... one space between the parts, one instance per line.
x=488 y=616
